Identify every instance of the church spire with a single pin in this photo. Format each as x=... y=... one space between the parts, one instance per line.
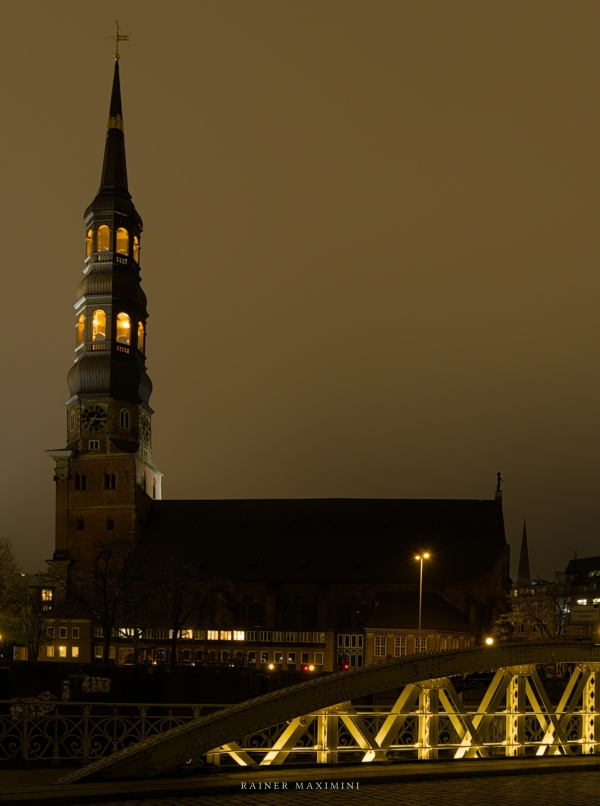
x=523 y=574
x=114 y=168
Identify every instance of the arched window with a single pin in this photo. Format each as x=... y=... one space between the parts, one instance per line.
x=103 y=238
x=124 y=419
x=123 y=329
x=289 y=614
x=136 y=249
x=141 y=337
x=80 y=524
x=88 y=243
x=110 y=481
x=344 y=617
x=79 y=326
x=255 y=615
x=110 y=524
x=122 y=241
x=99 y=326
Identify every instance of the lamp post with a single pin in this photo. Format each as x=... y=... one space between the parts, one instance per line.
x=420 y=557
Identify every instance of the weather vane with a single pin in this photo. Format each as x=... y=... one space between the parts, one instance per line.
x=118 y=38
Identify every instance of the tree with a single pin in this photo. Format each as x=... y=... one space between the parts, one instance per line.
x=185 y=598
x=534 y=614
x=110 y=591
x=24 y=617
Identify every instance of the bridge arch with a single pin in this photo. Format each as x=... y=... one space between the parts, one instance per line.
x=424 y=678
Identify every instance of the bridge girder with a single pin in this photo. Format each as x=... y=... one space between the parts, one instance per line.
x=431 y=673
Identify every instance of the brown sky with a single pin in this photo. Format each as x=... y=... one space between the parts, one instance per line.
x=370 y=249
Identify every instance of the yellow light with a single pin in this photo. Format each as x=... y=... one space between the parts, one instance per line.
x=426 y=556
x=489 y=641
x=271 y=666
x=311 y=668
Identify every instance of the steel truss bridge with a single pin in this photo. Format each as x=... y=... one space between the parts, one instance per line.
x=316 y=721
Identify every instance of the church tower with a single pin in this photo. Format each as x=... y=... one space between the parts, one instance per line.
x=106 y=478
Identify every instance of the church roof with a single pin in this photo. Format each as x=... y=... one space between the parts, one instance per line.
x=399 y=610
x=329 y=539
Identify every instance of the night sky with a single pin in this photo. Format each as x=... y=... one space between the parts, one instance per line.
x=370 y=249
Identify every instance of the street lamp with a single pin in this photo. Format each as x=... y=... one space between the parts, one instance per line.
x=420 y=557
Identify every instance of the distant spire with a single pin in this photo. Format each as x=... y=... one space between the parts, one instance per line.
x=114 y=169
x=523 y=574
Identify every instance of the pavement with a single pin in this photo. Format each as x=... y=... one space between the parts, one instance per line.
x=40 y=786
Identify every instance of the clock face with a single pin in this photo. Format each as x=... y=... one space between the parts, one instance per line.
x=94 y=418
x=145 y=428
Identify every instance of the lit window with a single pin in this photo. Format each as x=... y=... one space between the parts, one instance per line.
x=46 y=594
x=443 y=643
x=213 y=635
x=122 y=241
x=88 y=243
x=225 y=635
x=123 y=329
x=400 y=646
x=124 y=418
x=454 y=643
x=140 y=337
x=423 y=647
x=103 y=238
x=186 y=634
x=239 y=635
x=136 y=249
x=49 y=651
x=98 y=652
x=380 y=646
x=62 y=651
x=582 y=601
x=74 y=651
x=99 y=326
x=79 y=330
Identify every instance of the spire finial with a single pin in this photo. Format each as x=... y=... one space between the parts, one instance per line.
x=500 y=480
x=118 y=38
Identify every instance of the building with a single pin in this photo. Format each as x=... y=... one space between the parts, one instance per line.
x=313 y=578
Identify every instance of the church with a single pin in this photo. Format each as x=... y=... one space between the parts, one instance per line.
x=319 y=583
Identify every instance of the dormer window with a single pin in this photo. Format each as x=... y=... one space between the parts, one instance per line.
x=124 y=419
x=123 y=329
x=79 y=327
x=141 y=337
x=122 y=241
x=136 y=249
x=99 y=326
x=88 y=243
x=103 y=238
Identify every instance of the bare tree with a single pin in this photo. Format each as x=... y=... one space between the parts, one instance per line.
x=534 y=615
x=107 y=592
x=184 y=598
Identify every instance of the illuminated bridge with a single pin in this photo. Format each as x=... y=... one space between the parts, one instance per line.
x=316 y=721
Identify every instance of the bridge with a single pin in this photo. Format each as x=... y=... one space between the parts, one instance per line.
x=317 y=721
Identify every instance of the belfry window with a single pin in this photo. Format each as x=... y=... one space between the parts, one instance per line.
x=99 y=326
x=103 y=238
x=136 y=249
x=123 y=329
x=88 y=243
x=141 y=337
x=79 y=326
x=80 y=481
x=124 y=419
x=122 y=241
